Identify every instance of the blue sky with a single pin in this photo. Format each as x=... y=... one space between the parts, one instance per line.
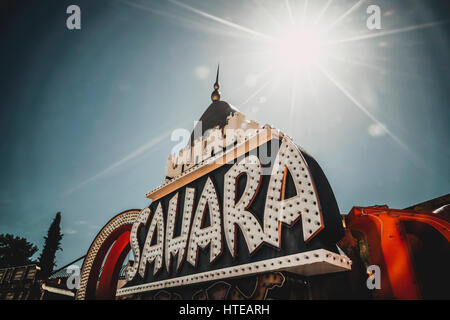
x=86 y=115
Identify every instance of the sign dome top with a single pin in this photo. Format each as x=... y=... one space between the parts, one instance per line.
x=215 y=116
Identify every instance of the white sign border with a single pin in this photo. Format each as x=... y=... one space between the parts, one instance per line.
x=308 y=263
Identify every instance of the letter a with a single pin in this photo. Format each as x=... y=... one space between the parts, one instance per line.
x=74 y=20
x=374 y=20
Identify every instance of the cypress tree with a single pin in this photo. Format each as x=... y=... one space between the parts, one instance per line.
x=52 y=244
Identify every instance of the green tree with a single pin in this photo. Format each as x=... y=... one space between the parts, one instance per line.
x=51 y=245
x=15 y=251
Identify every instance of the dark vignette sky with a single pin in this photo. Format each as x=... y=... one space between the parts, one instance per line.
x=86 y=115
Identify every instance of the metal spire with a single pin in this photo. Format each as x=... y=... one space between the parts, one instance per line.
x=215 y=95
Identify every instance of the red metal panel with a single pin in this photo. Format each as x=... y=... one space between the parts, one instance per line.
x=96 y=265
x=388 y=247
x=110 y=274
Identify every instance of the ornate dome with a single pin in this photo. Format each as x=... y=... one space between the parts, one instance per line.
x=215 y=115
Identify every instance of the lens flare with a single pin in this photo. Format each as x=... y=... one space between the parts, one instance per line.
x=298 y=47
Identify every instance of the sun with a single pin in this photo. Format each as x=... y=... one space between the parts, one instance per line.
x=298 y=47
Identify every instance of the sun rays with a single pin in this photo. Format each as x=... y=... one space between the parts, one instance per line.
x=220 y=20
x=341 y=18
x=299 y=46
x=390 y=32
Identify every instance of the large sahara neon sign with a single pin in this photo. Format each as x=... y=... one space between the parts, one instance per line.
x=229 y=220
